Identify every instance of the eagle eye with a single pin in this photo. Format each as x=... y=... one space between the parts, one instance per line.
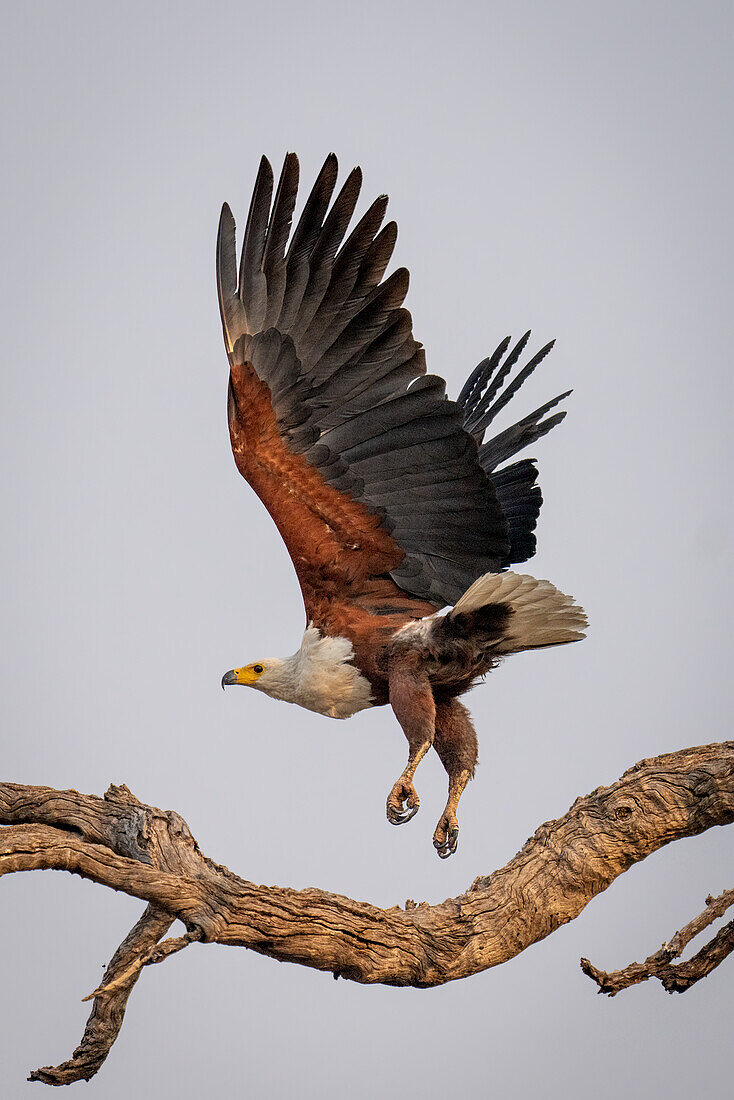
x=258 y=669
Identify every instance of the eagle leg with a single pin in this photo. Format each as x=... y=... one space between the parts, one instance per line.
x=456 y=744
x=412 y=701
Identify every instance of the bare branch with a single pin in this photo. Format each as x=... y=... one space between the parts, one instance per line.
x=108 y=1012
x=675 y=978
x=146 y=958
x=700 y=966
x=151 y=854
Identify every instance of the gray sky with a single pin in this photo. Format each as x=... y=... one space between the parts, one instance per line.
x=563 y=166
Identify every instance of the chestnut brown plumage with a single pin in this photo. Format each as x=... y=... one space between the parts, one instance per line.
x=390 y=501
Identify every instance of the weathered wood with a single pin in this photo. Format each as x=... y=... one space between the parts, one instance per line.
x=108 y=1012
x=675 y=977
x=150 y=854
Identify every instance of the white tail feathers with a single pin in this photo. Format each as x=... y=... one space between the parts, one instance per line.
x=542 y=615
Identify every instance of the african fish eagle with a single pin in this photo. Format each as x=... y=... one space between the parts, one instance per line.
x=390 y=500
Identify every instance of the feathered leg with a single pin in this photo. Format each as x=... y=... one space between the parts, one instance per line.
x=411 y=699
x=456 y=743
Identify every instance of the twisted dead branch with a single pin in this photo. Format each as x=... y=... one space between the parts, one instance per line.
x=150 y=854
x=675 y=978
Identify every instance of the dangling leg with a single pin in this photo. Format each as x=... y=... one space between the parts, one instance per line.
x=411 y=699
x=456 y=744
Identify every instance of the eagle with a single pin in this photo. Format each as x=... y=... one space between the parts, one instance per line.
x=391 y=500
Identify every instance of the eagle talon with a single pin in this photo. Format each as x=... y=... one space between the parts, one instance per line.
x=446 y=836
x=402 y=792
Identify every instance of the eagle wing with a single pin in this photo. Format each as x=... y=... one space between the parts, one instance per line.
x=362 y=461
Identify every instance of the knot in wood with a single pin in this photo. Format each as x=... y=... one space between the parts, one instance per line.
x=624 y=815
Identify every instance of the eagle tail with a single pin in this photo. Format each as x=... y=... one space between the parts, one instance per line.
x=539 y=614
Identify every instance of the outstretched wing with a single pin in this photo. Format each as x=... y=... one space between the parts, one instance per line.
x=358 y=455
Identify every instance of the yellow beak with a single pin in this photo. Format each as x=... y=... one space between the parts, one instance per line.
x=239 y=676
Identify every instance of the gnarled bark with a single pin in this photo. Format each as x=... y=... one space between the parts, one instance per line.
x=151 y=854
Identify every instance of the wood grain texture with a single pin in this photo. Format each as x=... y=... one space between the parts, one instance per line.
x=150 y=854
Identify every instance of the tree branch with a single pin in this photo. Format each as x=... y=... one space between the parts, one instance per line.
x=150 y=854
x=147 y=957
x=108 y=1012
x=675 y=979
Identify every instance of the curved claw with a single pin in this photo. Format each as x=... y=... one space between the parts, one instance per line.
x=446 y=836
x=403 y=803
x=396 y=817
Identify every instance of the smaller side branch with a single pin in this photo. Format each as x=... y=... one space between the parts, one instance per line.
x=686 y=974
x=675 y=978
x=154 y=954
x=110 y=1001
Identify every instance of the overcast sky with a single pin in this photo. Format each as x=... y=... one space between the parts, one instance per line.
x=561 y=166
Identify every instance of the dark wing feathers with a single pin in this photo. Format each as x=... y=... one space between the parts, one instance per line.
x=350 y=395
x=490 y=413
x=253 y=286
x=520 y=499
x=483 y=398
x=279 y=228
x=351 y=291
x=322 y=258
x=476 y=382
x=493 y=382
x=303 y=242
x=520 y=435
x=344 y=276
x=227 y=276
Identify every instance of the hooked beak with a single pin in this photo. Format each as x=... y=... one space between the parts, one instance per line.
x=229 y=678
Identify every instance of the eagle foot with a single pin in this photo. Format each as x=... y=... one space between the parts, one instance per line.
x=403 y=802
x=446 y=836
